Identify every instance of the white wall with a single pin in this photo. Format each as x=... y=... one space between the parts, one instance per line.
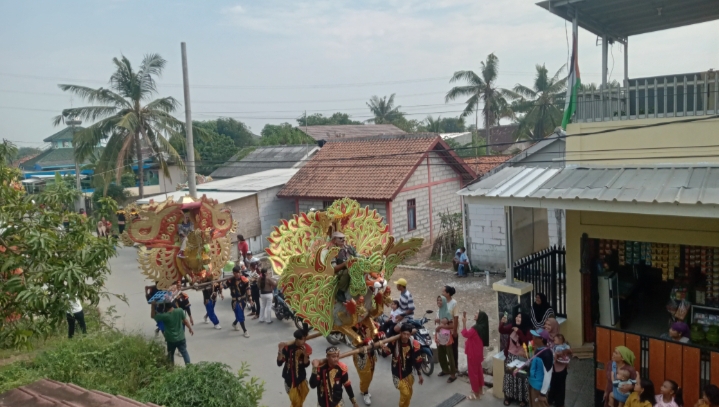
x=399 y=214
x=486 y=236
x=272 y=211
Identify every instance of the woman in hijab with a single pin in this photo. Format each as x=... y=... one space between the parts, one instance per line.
x=622 y=359
x=515 y=387
x=477 y=337
x=678 y=332
x=552 y=326
x=541 y=310
x=444 y=338
x=557 y=386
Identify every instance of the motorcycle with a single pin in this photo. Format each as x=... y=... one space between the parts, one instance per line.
x=283 y=311
x=422 y=336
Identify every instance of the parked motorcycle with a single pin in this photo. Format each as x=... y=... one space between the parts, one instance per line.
x=421 y=335
x=283 y=311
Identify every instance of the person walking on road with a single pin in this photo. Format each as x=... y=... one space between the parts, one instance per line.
x=294 y=358
x=75 y=315
x=239 y=286
x=209 y=295
x=267 y=286
x=174 y=319
x=254 y=288
x=329 y=376
x=476 y=338
x=406 y=357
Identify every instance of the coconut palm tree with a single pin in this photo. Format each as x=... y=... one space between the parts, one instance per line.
x=384 y=110
x=125 y=117
x=482 y=88
x=433 y=125
x=542 y=104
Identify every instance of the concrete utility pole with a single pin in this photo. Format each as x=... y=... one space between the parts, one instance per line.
x=81 y=200
x=190 y=159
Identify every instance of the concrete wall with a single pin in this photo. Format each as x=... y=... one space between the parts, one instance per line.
x=177 y=176
x=271 y=211
x=246 y=213
x=642 y=228
x=699 y=134
x=486 y=236
x=399 y=214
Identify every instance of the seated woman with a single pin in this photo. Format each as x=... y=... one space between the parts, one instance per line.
x=541 y=311
x=678 y=332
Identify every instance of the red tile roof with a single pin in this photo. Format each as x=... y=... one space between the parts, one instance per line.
x=372 y=168
x=482 y=165
x=49 y=393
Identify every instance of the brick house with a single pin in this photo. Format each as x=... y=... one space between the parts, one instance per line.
x=404 y=177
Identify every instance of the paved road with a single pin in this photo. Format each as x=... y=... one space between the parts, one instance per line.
x=259 y=351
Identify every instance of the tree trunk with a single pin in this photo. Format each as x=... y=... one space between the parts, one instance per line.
x=140 y=171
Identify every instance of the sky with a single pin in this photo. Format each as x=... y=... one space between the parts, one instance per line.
x=270 y=61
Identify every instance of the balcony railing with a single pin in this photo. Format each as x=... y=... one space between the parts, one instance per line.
x=695 y=94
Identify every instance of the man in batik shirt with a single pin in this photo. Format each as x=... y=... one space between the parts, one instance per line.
x=239 y=285
x=329 y=377
x=295 y=357
x=406 y=356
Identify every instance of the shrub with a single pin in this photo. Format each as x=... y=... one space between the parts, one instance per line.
x=205 y=384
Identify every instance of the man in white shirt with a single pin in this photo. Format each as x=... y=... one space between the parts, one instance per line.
x=75 y=314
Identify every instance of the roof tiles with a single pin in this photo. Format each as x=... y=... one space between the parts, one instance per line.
x=482 y=165
x=49 y=393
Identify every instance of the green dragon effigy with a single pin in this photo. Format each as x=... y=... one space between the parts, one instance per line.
x=300 y=251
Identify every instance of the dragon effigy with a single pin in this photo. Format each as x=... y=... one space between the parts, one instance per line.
x=189 y=238
x=302 y=251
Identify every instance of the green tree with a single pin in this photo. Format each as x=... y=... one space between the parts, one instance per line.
x=318 y=119
x=432 y=125
x=283 y=134
x=126 y=120
x=214 y=152
x=237 y=131
x=541 y=105
x=23 y=152
x=452 y=125
x=483 y=89
x=384 y=110
x=42 y=263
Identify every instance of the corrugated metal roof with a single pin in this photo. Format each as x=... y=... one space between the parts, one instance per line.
x=654 y=185
x=222 y=197
x=265 y=158
x=258 y=181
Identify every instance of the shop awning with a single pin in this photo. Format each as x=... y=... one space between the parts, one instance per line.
x=673 y=191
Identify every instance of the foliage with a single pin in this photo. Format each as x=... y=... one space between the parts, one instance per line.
x=318 y=119
x=42 y=263
x=107 y=361
x=23 y=152
x=410 y=126
x=384 y=110
x=235 y=130
x=100 y=178
x=466 y=150
x=105 y=207
x=283 y=134
x=482 y=89
x=215 y=151
x=450 y=235
x=114 y=191
x=432 y=125
x=126 y=120
x=542 y=104
x=205 y=384
x=127 y=180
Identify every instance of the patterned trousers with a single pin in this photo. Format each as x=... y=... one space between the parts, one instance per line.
x=405 y=390
x=365 y=370
x=298 y=394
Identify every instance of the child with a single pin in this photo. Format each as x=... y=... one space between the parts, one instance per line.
x=643 y=395
x=620 y=379
x=443 y=336
x=392 y=321
x=670 y=395
x=562 y=356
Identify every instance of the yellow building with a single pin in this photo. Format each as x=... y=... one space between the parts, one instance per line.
x=640 y=187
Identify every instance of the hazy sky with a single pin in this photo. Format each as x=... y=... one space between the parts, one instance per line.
x=268 y=61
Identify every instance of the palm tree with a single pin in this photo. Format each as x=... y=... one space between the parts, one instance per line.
x=384 y=110
x=542 y=104
x=433 y=125
x=482 y=88
x=126 y=120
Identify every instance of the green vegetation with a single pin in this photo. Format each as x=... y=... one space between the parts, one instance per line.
x=42 y=262
x=283 y=134
x=318 y=119
x=542 y=105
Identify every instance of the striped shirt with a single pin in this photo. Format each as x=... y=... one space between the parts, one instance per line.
x=406 y=303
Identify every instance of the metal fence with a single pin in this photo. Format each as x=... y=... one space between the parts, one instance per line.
x=546 y=270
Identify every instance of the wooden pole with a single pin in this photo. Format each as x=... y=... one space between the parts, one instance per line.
x=198 y=286
x=365 y=348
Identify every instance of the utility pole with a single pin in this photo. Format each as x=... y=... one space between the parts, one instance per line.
x=190 y=159
x=81 y=199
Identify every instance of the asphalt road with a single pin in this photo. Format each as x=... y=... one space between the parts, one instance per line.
x=260 y=349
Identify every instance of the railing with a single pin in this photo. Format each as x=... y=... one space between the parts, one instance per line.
x=682 y=95
x=691 y=366
x=546 y=270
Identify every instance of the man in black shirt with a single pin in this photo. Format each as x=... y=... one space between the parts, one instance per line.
x=406 y=357
x=329 y=376
x=239 y=285
x=295 y=357
x=209 y=295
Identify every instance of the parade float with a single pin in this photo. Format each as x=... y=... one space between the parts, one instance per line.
x=300 y=252
x=187 y=239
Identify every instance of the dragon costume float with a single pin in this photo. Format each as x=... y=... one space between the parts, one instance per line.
x=161 y=228
x=299 y=252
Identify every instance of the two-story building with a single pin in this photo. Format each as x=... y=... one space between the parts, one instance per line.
x=641 y=193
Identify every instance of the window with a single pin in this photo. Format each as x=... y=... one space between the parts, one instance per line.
x=411 y=214
x=326 y=204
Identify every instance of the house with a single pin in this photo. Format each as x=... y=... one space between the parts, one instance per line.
x=265 y=158
x=46 y=392
x=486 y=237
x=252 y=199
x=409 y=179
x=462 y=138
x=324 y=134
x=641 y=195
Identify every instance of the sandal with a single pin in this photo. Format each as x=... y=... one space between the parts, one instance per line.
x=507 y=402
x=451 y=379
